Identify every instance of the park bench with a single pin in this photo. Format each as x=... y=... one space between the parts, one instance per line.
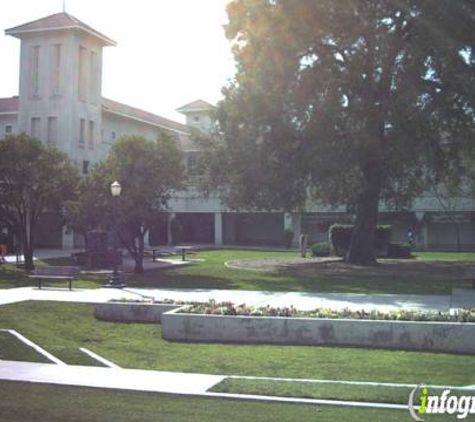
x=158 y=253
x=470 y=275
x=54 y=274
x=162 y=252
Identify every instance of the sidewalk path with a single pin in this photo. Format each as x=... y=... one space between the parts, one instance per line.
x=149 y=381
x=122 y=379
x=299 y=300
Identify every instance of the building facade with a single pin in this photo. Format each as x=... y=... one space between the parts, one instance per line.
x=60 y=103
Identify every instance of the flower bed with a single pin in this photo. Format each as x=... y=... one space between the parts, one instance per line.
x=228 y=308
x=228 y=324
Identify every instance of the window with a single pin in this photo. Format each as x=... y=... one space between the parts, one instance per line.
x=8 y=129
x=55 y=68
x=196 y=119
x=82 y=74
x=90 y=135
x=85 y=167
x=35 y=128
x=52 y=131
x=113 y=135
x=192 y=164
x=82 y=133
x=35 y=71
x=93 y=77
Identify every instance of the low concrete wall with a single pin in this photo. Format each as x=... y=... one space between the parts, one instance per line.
x=401 y=335
x=132 y=312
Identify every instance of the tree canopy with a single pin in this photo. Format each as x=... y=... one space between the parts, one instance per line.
x=350 y=102
x=34 y=179
x=148 y=172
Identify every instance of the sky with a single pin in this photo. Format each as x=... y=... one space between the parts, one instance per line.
x=168 y=53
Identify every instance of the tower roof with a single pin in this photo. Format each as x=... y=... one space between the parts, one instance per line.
x=57 y=22
x=198 y=105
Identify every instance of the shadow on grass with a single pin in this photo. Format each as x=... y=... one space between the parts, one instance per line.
x=11 y=276
x=390 y=277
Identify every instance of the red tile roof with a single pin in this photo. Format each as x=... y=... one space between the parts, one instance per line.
x=145 y=116
x=56 y=22
x=9 y=105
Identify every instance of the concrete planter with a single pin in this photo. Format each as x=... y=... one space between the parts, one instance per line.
x=132 y=312
x=401 y=335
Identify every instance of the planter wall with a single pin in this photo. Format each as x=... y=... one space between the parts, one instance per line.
x=132 y=312
x=401 y=335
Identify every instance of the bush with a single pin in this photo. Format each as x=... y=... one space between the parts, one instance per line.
x=340 y=238
x=321 y=249
x=399 y=250
x=288 y=238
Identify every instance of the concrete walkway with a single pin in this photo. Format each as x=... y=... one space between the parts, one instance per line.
x=121 y=379
x=302 y=301
x=147 y=381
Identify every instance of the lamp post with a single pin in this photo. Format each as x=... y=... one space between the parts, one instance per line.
x=115 y=281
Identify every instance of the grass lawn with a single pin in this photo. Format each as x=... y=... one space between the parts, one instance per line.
x=11 y=348
x=22 y=402
x=63 y=328
x=432 y=273
x=447 y=256
x=365 y=393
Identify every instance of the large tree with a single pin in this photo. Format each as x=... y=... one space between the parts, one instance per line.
x=347 y=101
x=34 y=180
x=148 y=171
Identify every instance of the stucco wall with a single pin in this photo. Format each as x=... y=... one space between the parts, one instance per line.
x=131 y=312
x=430 y=336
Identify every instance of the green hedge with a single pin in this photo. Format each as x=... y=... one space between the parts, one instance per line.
x=340 y=238
x=321 y=249
x=399 y=250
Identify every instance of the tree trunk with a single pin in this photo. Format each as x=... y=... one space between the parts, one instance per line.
x=28 y=255
x=27 y=246
x=361 y=250
x=139 y=256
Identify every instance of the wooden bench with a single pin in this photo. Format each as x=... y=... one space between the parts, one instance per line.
x=470 y=275
x=55 y=273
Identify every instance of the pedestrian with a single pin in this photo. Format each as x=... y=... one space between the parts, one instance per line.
x=3 y=247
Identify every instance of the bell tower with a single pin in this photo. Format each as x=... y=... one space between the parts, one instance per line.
x=60 y=84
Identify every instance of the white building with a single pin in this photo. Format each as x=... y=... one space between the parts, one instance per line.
x=60 y=103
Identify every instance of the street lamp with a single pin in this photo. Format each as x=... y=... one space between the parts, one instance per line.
x=115 y=281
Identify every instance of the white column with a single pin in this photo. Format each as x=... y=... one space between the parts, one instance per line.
x=171 y=216
x=423 y=241
x=67 y=241
x=297 y=224
x=146 y=239
x=292 y=221
x=288 y=221
x=218 y=228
